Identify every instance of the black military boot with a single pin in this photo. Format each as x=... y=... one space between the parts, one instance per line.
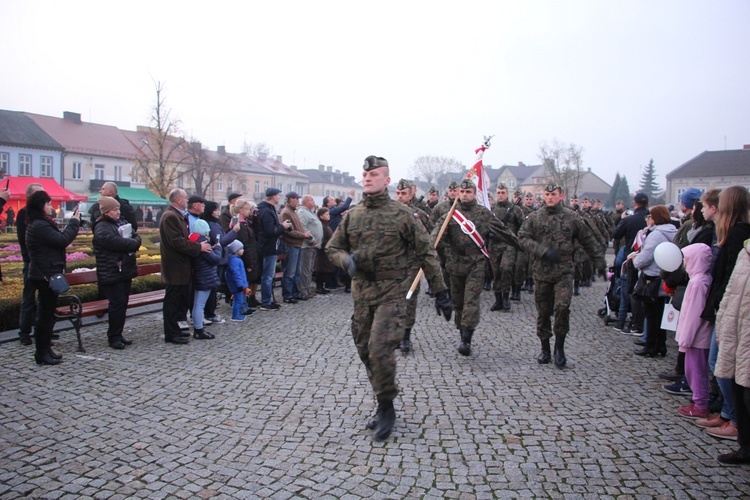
x=531 y=285
x=373 y=422
x=576 y=287
x=405 y=345
x=506 y=301
x=498 y=305
x=560 y=360
x=525 y=285
x=465 y=348
x=545 y=356
x=488 y=283
x=515 y=292
x=384 y=425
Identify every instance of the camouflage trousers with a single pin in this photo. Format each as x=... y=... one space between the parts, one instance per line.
x=504 y=265
x=553 y=297
x=465 y=293
x=522 y=270
x=377 y=330
x=584 y=269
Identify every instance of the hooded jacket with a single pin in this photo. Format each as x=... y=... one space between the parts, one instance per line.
x=205 y=276
x=115 y=255
x=692 y=331
x=644 y=261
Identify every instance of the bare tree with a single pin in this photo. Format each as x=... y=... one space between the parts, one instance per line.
x=205 y=167
x=563 y=164
x=161 y=150
x=256 y=149
x=431 y=168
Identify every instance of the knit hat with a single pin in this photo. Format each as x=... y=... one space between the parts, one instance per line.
x=107 y=203
x=234 y=246
x=201 y=227
x=689 y=197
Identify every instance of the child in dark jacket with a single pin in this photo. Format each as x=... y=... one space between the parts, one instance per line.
x=205 y=277
x=236 y=279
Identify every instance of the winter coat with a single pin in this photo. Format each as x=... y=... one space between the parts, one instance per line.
x=644 y=261
x=205 y=276
x=337 y=213
x=312 y=225
x=733 y=324
x=217 y=235
x=296 y=235
x=127 y=212
x=235 y=275
x=115 y=255
x=723 y=267
x=269 y=229
x=177 y=251
x=46 y=246
x=629 y=226
x=692 y=331
x=225 y=218
x=323 y=264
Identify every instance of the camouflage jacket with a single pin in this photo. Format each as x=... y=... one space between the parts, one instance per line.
x=557 y=228
x=382 y=233
x=592 y=221
x=516 y=217
x=464 y=254
x=440 y=209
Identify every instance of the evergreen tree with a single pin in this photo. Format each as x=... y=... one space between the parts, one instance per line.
x=613 y=192
x=649 y=186
x=623 y=192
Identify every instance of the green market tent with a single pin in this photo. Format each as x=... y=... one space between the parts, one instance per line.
x=136 y=196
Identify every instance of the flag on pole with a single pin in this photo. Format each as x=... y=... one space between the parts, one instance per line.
x=478 y=174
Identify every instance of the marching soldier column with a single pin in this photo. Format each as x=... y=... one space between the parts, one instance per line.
x=504 y=255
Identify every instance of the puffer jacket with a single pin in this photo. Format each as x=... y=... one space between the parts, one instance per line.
x=205 y=276
x=46 y=245
x=692 y=331
x=644 y=261
x=235 y=275
x=115 y=255
x=733 y=323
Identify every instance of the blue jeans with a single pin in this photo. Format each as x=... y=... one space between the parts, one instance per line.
x=239 y=303
x=292 y=271
x=266 y=280
x=28 y=303
x=725 y=384
x=200 y=298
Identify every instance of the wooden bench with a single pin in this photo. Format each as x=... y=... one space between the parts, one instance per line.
x=72 y=309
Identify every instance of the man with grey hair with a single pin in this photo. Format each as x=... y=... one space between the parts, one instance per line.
x=310 y=224
x=126 y=210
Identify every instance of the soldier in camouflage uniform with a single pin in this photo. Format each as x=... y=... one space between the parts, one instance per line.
x=433 y=198
x=466 y=260
x=441 y=209
x=504 y=255
x=524 y=260
x=374 y=244
x=599 y=232
x=405 y=195
x=420 y=202
x=550 y=233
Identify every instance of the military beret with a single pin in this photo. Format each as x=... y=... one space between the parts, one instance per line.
x=529 y=195
x=453 y=185
x=518 y=193
x=467 y=184
x=433 y=189
x=585 y=198
x=372 y=162
x=552 y=187
x=501 y=185
x=403 y=184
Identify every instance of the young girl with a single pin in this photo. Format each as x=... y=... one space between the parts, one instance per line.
x=205 y=277
x=236 y=279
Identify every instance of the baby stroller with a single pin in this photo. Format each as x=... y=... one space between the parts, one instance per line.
x=611 y=299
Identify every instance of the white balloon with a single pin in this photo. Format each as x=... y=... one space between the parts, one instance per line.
x=668 y=256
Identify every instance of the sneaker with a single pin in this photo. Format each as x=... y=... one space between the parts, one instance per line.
x=207 y=322
x=290 y=300
x=678 y=388
x=216 y=320
x=733 y=458
x=636 y=333
x=692 y=411
x=726 y=431
x=238 y=319
x=183 y=325
x=618 y=327
x=273 y=306
x=712 y=421
x=672 y=376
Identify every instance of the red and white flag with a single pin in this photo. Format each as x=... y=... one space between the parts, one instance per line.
x=478 y=174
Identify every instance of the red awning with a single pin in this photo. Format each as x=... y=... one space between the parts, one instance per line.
x=17 y=188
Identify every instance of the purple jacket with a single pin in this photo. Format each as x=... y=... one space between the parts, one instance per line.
x=692 y=331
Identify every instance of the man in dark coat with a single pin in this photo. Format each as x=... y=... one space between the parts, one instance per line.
x=177 y=252
x=270 y=228
x=127 y=212
x=629 y=226
x=337 y=212
x=225 y=217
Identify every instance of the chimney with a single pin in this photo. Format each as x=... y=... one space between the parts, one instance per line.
x=262 y=155
x=73 y=117
x=195 y=146
x=589 y=169
x=521 y=164
x=322 y=168
x=329 y=169
x=222 y=150
x=338 y=171
x=746 y=146
x=278 y=159
x=293 y=167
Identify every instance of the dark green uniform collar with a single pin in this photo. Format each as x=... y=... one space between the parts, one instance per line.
x=376 y=200
x=554 y=209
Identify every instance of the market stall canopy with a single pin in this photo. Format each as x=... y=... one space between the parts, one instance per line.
x=136 y=196
x=17 y=188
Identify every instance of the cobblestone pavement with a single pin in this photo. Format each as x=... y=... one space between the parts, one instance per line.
x=276 y=408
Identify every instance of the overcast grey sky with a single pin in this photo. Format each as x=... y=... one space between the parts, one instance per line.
x=332 y=82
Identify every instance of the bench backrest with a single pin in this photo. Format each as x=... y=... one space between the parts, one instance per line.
x=90 y=276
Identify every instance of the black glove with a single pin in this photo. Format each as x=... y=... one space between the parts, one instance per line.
x=350 y=265
x=551 y=255
x=444 y=304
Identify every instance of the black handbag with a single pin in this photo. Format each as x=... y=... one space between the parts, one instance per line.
x=647 y=288
x=58 y=284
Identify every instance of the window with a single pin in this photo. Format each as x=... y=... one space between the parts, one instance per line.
x=24 y=164
x=243 y=187
x=76 y=169
x=45 y=166
x=512 y=183
x=4 y=163
x=118 y=172
x=265 y=186
x=230 y=186
x=257 y=186
x=219 y=185
x=180 y=182
x=99 y=172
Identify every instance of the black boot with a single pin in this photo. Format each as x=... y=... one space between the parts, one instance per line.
x=406 y=342
x=202 y=334
x=560 y=360
x=488 y=283
x=506 y=301
x=45 y=357
x=498 y=305
x=515 y=292
x=525 y=285
x=531 y=285
x=384 y=426
x=465 y=348
x=25 y=338
x=373 y=422
x=545 y=356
